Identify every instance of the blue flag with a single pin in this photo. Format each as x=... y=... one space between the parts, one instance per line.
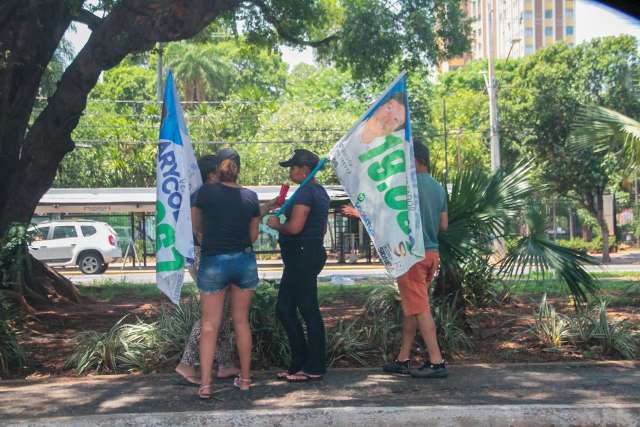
x=177 y=178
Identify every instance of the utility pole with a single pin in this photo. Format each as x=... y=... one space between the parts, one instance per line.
x=446 y=143
x=159 y=72
x=493 y=100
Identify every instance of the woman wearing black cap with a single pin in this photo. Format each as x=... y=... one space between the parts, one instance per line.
x=227 y=215
x=301 y=244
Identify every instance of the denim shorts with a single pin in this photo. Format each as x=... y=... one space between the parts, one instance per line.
x=217 y=272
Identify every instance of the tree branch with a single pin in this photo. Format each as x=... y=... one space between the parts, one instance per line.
x=284 y=34
x=88 y=18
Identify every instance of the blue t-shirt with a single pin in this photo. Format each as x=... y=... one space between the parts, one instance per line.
x=315 y=196
x=226 y=215
x=433 y=202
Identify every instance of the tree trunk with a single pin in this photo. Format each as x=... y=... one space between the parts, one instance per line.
x=604 y=229
x=30 y=31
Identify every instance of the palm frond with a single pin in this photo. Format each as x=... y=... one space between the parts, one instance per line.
x=479 y=208
x=600 y=128
x=535 y=253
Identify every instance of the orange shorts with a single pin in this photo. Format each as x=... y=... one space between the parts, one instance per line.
x=414 y=284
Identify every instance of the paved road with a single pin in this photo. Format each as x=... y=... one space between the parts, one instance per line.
x=516 y=394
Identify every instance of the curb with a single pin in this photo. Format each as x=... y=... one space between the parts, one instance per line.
x=494 y=415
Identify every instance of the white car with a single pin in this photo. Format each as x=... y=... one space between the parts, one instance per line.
x=91 y=245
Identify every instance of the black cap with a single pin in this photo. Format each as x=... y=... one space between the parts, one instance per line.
x=421 y=152
x=207 y=164
x=301 y=157
x=228 y=153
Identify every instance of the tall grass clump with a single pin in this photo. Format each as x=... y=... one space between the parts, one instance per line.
x=593 y=327
x=270 y=344
x=551 y=328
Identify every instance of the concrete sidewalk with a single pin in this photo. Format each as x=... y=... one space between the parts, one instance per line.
x=514 y=394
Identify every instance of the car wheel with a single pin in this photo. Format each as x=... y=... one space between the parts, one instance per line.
x=103 y=268
x=90 y=263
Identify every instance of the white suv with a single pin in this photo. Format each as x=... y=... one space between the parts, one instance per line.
x=90 y=245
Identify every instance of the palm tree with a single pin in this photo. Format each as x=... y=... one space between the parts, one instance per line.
x=199 y=70
x=601 y=128
x=480 y=207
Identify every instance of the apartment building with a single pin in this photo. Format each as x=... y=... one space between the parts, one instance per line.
x=519 y=27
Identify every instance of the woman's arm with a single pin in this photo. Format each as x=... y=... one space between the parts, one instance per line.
x=254 y=228
x=196 y=223
x=294 y=224
x=267 y=206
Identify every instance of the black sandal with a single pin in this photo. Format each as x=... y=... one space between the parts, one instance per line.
x=301 y=377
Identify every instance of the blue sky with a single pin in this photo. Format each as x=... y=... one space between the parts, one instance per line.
x=592 y=20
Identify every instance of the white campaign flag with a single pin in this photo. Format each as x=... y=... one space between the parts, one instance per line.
x=178 y=177
x=376 y=166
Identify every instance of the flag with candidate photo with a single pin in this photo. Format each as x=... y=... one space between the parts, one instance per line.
x=178 y=177
x=376 y=166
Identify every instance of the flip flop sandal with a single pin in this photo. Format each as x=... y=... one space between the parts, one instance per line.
x=239 y=382
x=185 y=381
x=204 y=392
x=282 y=376
x=303 y=378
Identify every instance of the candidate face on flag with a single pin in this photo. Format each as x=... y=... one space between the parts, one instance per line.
x=389 y=117
x=375 y=164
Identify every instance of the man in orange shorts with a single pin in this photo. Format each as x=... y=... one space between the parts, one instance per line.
x=414 y=285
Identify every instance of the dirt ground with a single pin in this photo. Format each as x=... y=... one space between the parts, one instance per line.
x=498 y=334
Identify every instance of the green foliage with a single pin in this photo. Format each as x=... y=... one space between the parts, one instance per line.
x=536 y=252
x=376 y=34
x=12 y=357
x=383 y=323
x=589 y=328
x=581 y=246
x=270 y=345
x=479 y=283
x=550 y=328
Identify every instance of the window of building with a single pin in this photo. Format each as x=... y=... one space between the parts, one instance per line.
x=528 y=49
x=64 y=232
x=568 y=13
x=569 y=31
x=548 y=31
x=548 y=14
x=528 y=14
x=528 y=32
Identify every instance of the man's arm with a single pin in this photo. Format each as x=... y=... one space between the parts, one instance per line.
x=444 y=222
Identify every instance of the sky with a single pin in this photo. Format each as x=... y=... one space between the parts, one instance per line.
x=592 y=20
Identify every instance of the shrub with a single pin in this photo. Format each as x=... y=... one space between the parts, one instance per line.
x=593 y=327
x=270 y=345
x=478 y=282
x=582 y=246
x=551 y=328
x=451 y=336
x=12 y=357
x=348 y=341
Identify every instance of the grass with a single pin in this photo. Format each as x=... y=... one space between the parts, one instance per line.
x=108 y=290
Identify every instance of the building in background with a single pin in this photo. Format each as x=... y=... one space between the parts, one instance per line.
x=520 y=28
